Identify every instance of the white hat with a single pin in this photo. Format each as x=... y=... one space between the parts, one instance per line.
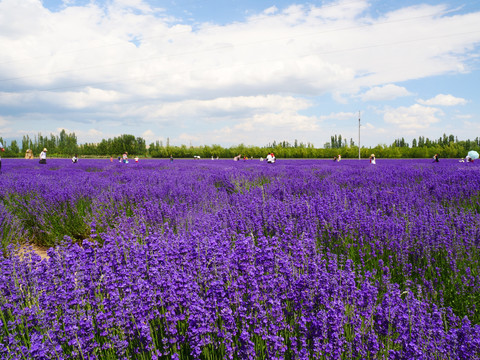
x=44 y=149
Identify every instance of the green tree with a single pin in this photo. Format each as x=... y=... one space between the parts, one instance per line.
x=14 y=150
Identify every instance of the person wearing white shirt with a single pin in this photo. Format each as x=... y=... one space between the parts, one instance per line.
x=43 y=156
x=271 y=158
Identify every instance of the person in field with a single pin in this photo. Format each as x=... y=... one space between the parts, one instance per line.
x=136 y=159
x=75 y=159
x=435 y=158
x=1 y=149
x=271 y=158
x=372 y=159
x=43 y=156
x=125 y=157
x=171 y=158
x=29 y=154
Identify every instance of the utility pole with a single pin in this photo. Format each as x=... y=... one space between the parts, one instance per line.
x=358 y=134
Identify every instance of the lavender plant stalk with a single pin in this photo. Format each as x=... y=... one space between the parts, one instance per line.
x=240 y=260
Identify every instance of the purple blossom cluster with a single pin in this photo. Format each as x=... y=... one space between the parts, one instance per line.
x=245 y=260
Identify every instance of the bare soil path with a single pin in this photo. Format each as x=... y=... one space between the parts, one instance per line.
x=39 y=250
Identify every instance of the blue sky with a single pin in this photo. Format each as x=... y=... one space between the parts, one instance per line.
x=236 y=71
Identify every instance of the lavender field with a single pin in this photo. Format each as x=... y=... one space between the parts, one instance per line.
x=303 y=259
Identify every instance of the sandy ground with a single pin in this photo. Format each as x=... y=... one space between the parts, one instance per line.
x=39 y=250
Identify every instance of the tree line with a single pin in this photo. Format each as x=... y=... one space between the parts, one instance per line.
x=66 y=145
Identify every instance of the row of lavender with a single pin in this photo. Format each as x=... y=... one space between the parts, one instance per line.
x=216 y=259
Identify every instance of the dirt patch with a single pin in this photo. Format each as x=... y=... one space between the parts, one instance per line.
x=39 y=250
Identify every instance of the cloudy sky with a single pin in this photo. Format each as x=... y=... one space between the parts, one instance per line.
x=240 y=71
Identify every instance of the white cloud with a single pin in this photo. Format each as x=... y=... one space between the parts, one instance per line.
x=264 y=128
x=340 y=116
x=280 y=51
x=148 y=133
x=385 y=92
x=469 y=125
x=88 y=97
x=443 y=100
x=187 y=139
x=372 y=129
x=292 y=121
x=271 y=10
x=464 y=116
x=93 y=135
x=3 y=121
x=413 y=117
x=219 y=108
x=150 y=136
x=13 y=99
